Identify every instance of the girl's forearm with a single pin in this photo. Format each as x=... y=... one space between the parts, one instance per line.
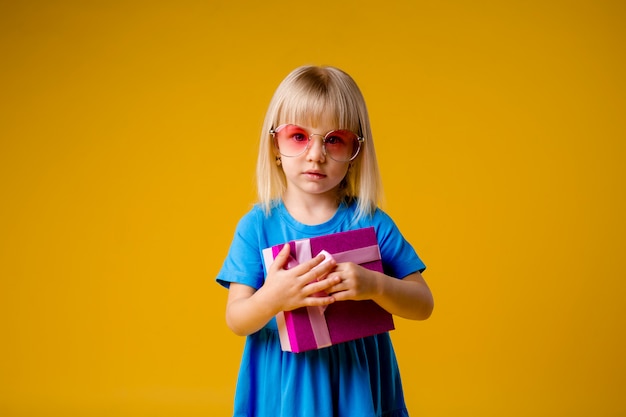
x=247 y=314
x=409 y=297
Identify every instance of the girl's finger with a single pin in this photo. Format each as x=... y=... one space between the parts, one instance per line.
x=320 y=301
x=322 y=285
x=321 y=270
x=282 y=259
x=310 y=266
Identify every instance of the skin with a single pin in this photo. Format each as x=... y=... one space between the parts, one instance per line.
x=311 y=198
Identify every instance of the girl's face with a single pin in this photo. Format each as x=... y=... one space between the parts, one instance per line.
x=312 y=173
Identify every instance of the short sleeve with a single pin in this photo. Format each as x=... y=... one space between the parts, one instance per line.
x=243 y=264
x=398 y=255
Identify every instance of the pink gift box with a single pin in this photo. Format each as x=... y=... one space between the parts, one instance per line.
x=310 y=328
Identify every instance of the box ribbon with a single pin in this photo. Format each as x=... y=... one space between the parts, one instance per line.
x=315 y=313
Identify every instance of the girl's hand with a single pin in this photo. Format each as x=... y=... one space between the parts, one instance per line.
x=248 y=310
x=354 y=282
x=408 y=297
x=299 y=286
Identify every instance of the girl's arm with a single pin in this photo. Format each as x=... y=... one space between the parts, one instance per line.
x=409 y=297
x=248 y=310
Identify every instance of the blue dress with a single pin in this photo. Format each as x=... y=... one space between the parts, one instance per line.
x=356 y=378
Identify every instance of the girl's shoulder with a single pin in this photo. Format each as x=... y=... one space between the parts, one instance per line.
x=251 y=213
x=382 y=222
x=376 y=217
x=256 y=217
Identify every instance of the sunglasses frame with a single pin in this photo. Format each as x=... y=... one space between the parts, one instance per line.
x=359 y=140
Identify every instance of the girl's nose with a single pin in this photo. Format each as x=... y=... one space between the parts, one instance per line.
x=316 y=150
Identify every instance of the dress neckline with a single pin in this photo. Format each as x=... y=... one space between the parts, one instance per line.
x=328 y=226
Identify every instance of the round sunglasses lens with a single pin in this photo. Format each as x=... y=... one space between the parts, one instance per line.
x=341 y=145
x=291 y=140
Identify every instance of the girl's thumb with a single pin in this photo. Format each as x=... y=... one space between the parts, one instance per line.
x=282 y=258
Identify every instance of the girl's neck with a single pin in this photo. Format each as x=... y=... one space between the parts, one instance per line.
x=311 y=211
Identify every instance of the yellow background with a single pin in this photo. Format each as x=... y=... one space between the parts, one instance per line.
x=128 y=138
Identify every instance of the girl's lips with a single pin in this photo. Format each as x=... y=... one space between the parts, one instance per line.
x=314 y=174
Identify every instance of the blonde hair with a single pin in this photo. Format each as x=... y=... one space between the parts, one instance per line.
x=304 y=96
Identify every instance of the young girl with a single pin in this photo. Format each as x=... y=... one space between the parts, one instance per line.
x=317 y=174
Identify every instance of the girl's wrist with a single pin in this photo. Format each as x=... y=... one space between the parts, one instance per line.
x=377 y=280
x=265 y=303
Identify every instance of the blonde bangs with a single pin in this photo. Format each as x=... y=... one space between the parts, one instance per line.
x=314 y=97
